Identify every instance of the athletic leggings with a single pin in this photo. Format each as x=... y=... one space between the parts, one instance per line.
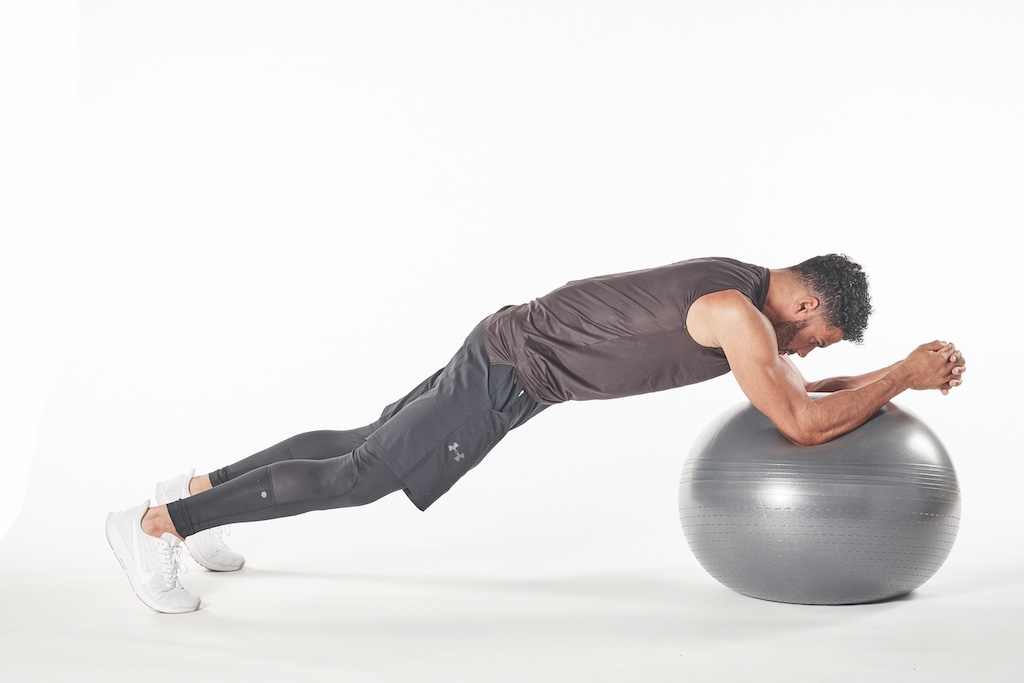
x=422 y=444
x=313 y=471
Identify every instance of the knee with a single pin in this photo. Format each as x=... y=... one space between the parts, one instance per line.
x=337 y=476
x=319 y=445
x=320 y=482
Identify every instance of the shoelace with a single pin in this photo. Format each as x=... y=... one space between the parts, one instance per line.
x=218 y=535
x=170 y=562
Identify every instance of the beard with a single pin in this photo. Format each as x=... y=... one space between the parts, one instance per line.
x=786 y=332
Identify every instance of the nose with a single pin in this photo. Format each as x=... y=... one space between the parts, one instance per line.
x=805 y=351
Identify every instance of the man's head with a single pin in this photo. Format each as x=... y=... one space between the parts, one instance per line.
x=831 y=303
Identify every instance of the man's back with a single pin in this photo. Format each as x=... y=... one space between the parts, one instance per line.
x=618 y=335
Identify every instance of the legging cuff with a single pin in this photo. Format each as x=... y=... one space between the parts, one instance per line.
x=218 y=477
x=179 y=519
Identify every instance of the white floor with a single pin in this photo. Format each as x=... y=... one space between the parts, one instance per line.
x=281 y=622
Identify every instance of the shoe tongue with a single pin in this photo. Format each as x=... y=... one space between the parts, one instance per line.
x=170 y=539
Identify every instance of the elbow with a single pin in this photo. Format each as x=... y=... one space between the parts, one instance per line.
x=805 y=438
x=802 y=422
x=803 y=434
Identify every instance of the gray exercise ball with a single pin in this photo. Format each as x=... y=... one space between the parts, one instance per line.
x=868 y=516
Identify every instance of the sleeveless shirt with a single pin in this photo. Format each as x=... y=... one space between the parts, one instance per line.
x=617 y=335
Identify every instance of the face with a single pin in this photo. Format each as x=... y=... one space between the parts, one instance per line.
x=803 y=336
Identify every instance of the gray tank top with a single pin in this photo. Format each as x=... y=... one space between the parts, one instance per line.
x=617 y=335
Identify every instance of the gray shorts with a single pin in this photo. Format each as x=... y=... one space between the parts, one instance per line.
x=445 y=426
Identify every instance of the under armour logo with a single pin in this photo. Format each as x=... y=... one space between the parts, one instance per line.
x=454 y=448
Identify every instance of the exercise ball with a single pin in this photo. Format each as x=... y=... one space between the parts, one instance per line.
x=869 y=516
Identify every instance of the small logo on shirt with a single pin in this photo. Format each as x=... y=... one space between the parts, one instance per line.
x=454 y=448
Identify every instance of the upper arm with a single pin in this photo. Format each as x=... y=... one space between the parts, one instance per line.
x=771 y=382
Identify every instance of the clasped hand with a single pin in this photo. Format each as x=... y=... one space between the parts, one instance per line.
x=937 y=365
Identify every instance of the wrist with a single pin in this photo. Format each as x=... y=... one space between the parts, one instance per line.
x=900 y=376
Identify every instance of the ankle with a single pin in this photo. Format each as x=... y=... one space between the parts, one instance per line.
x=156 y=522
x=199 y=484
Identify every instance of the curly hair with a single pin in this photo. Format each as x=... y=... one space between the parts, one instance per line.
x=842 y=288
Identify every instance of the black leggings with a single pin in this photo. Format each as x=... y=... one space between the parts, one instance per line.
x=423 y=443
x=318 y=470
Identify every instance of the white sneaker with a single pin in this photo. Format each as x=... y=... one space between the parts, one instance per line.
x=206 y=547
x=150 y=563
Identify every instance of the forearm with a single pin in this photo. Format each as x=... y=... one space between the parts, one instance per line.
x=847 y=382
x=844 y=410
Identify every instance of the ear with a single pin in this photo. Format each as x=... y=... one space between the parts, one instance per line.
x=805 y=306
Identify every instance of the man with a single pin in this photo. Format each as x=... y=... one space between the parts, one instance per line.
x=599 y=338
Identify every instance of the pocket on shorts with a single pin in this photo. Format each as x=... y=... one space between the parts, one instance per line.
x=501 y=386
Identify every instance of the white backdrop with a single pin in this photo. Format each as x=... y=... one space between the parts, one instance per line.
x=290 y=213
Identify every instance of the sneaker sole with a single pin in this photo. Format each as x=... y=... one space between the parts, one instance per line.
x=121 y=552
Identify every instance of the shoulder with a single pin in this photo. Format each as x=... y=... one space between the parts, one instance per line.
x=715 y=318
x=728 y=306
